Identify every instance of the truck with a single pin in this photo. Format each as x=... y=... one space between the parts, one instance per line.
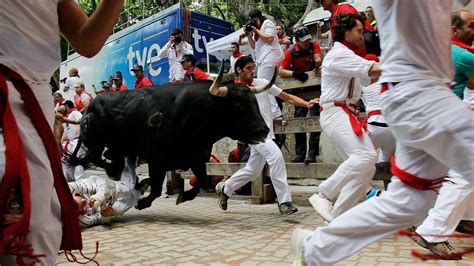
x=141 y=43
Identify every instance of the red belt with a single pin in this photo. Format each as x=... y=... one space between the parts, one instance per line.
x=414 y=181
x=353 y=116
x=16 y=175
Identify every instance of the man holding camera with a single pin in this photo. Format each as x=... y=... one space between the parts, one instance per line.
x=304 y=55
x=262 y=36
x=174 y=49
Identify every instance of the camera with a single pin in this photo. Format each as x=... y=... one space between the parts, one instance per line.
x=250 y=23
x=177 y=39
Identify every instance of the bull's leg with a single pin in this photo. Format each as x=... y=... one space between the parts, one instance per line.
x=155 y=181
x=200 y=172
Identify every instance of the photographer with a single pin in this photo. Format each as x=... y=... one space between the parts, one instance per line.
x=303 y=56
x=262 y=37
x=175 y=48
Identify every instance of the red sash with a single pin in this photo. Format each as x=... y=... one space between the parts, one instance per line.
x=414 y=181
x=354 y=118
x=14 y=235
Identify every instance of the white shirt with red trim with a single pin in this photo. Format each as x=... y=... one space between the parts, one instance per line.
x=174 y=54
x=403 y=58
x=264 y=103
x=342 y=71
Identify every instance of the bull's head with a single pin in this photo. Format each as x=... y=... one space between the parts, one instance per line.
x=217 y=90
x=242 y=120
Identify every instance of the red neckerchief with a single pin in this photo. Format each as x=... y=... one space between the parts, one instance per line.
x=358 y=51
x=459 y=43
x=243 y=82
x=237 y=55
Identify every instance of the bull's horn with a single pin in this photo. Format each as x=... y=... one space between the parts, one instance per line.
x=263 y=88
x=216 y=88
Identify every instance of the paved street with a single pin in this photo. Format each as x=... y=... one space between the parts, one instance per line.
x=198 y=232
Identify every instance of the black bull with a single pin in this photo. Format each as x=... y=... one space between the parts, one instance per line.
x=172 y=126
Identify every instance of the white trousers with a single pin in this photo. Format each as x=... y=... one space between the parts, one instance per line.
x=260 y=153
x=73 y=173
x=434 y=133
x=382 y=139
x=266 y=72
x=45 y=223
x=350 y=180
x=453 y=201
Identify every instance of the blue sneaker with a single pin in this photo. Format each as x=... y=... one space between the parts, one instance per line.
x=373 y=192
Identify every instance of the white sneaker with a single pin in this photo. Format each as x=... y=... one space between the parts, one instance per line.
x=322 y=206
x=297 y=248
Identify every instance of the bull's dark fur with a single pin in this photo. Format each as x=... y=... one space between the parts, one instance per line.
x=172 y=126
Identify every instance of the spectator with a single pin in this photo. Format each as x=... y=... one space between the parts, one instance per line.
x=370 y=24
x=235 y=49
x=57 y=99
x=301 y=57
x=141 y=80
x=68 y=90
x=82 y=99
x=69 y=142
x=174 y=49
x=30 y=52
x=335 y=9
x=188 y=62
x=106 y=87
x=263 y=38
x=282 y=37
x=118 y=82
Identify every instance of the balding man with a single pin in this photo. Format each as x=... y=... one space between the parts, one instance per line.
x=82 y=99
x=68 y=90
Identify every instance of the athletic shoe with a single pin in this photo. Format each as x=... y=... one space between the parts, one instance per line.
x=373 y=192
x=322 y=206
x=443 y=249
x=287 y=208
x=222 y=201
x=297 y=159
x=309 y=160
x=297 y=248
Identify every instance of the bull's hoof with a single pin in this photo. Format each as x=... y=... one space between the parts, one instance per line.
x=142 y=204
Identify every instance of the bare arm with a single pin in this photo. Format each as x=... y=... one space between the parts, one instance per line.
x=295 y=100
x=88 y=34
x=321 y=35
x=268 y=38
x=285 y=73
x=250 y=40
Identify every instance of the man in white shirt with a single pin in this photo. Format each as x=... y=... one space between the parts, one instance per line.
x=99 y=198
x=68 y=90
x=263 y=38
x=69 y=143
x=432 y=126
x=266 y=151
x=174 y=49
x=29 y=54
x=341 y=77
x=236 y=54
